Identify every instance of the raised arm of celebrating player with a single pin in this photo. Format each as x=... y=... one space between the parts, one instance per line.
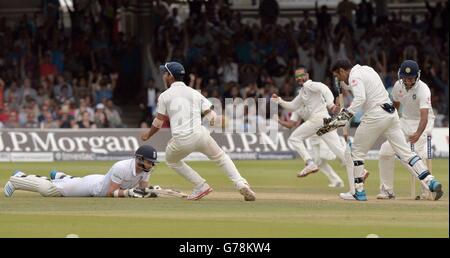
x=288 y=105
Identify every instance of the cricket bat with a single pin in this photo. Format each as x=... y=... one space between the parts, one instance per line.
x=341 y=103
x=159 y=192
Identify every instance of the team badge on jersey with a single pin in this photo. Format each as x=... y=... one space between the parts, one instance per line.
x=354 y=82
x=414 y=96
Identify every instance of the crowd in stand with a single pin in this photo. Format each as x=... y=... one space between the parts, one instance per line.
x=231 y=58
x=53 y=78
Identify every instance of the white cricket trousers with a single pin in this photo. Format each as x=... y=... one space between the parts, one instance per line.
x=87 y=186
x=308 y=129
x=375 y=123
x=200 y=141
x=387 y=154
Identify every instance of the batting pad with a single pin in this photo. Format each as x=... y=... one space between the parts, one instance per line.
x=35 y=184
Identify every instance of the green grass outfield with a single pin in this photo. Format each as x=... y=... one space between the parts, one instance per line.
x=286 y=206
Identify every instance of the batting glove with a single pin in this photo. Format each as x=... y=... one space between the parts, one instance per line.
x=136 y=193
x=151 y=191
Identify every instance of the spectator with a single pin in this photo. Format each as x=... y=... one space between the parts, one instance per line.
x=229 y=70
x=103 y=90
x=66 y=120
x=268 y=11
x=306 y=25
x=4 y=113
x=43 y=93
x=437 y=13
x=85 y=121
x=12 y=94
x=60 y=86
x=319 y=65
x=26 y=90
x=31 y=120
x=150 y=97
x=364 y=15
x=58 y=58
x=345 y=10
x=323 y=19
x=47 y=67
x=80 y=88
x=113 y=115
x=13 y=120
x=248 y=74
x=83 y=107
x=381 y=12
x=48 y=122
x=100 y=117
x=304 y=52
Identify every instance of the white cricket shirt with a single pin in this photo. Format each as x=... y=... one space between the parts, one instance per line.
x=313 y=98
x=367 y=88
x=418 y=97
x=184 y=106
x=123 y=173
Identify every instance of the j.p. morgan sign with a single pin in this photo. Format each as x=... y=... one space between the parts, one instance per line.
x=116 y=144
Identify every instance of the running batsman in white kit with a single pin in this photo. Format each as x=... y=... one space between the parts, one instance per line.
x=184 y=108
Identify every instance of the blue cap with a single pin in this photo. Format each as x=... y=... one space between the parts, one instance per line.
x=173 y=68
x=409 y=68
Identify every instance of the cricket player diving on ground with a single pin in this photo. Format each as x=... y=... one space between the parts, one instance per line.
x=184 y=108
x=416 y=122
x=126 y=178
x=379 y=119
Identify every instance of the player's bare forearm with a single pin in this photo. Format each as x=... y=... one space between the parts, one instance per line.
x=121 y=193
x=422 y=125
x=113 y=187
x=153 y=130
x=156 y=125
x=397 y=105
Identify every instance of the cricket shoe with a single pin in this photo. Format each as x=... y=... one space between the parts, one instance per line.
x=18 y=173
x=200 y=192
x=9 y=188
x=57 y=175
x=436 y=187
x=247 y=192
x=347 y=196
x=336 y=184
x=358 y=196
x=311 y=168
x=385 y=194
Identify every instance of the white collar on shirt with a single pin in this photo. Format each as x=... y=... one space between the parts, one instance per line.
x=177 y=84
